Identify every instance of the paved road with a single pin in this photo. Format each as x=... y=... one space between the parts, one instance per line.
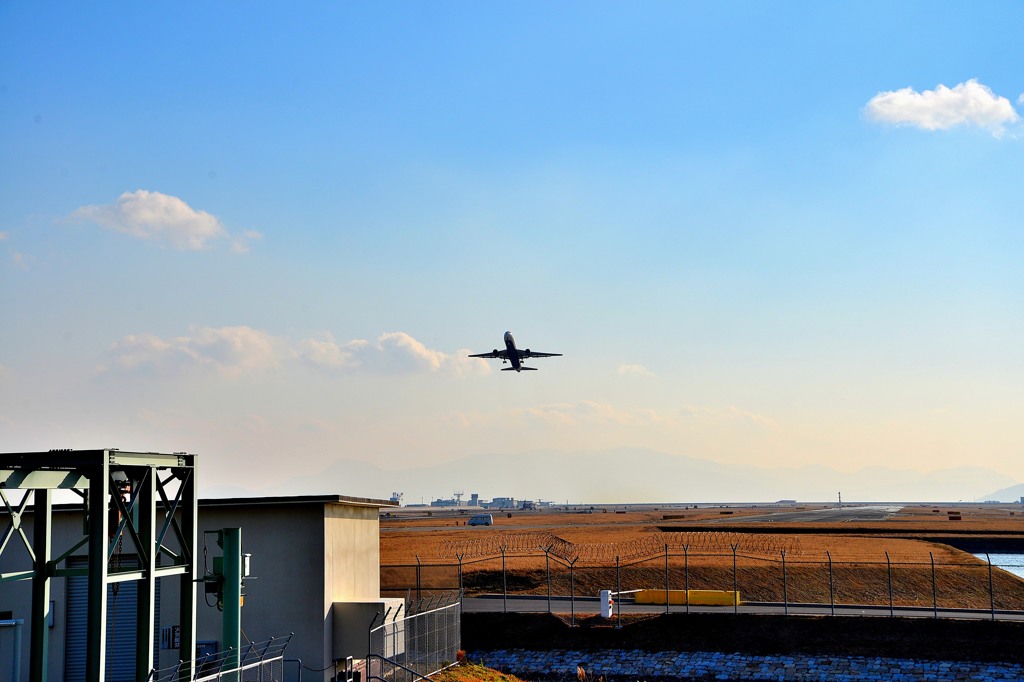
x=591 y=605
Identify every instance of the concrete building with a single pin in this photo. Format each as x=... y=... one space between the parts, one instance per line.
x=312 y=559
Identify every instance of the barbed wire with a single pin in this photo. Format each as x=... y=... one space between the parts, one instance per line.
x=532 y=542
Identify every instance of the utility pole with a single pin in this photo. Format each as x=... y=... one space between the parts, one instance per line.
x=840 y=499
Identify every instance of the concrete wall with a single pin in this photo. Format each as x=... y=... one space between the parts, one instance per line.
x=351 y=541
x=285 y=594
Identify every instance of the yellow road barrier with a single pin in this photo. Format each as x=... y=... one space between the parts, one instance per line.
x=696 y=597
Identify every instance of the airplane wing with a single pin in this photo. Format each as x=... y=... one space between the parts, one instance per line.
x=534 y=354
x=493 y=354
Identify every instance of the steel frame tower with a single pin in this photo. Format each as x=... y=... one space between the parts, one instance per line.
x=141 y=499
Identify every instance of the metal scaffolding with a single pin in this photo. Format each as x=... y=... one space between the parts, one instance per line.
x=142 y=500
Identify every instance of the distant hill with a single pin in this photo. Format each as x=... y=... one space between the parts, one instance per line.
x=1011 y=494
x=637 y=475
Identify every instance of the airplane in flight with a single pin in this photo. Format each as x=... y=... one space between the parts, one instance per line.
x=514 y=355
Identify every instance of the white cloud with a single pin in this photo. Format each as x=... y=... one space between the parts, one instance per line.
x=233 y=351
x=399 y=351
x=634 y=370
x=158 y=217
x=240 y=242
x=729 y=414
x=588 y=412
x=393 y=352
x=965 y=104
x=229 y=351
x=325 y=353
x=4 y=235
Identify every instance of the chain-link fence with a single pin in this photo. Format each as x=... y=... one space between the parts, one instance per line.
x=779 y=575
x=422 y=642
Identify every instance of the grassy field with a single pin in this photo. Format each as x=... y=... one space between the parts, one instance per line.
x=865 y=557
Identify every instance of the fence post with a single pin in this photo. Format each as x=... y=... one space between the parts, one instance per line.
x=618 y=597
x=991 y=594
x=686 y=575
x=785 y=589
x=459 y=557
x=735 y=601
x=935 y=592
x=831 y=590
x=547 y=571
x=572 y=594
x=369 y=636
x=888 y=571
x=418 y=567
x=504 y=583
x=666 y=578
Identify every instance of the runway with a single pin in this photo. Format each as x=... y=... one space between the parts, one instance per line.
x=827 y=515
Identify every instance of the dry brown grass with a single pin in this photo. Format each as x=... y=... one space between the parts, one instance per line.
x=859 y=570
x=403 y=539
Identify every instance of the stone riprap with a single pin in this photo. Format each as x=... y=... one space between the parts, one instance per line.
x=646 y=666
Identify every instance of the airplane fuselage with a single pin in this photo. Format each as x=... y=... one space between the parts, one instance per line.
x=513 y=352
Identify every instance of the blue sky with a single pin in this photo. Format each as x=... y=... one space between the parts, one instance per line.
x=764 y=234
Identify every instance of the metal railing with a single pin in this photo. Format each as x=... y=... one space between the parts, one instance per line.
x=411 y=647
x=258 y=662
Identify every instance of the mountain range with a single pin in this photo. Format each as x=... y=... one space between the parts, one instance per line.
x=636 y=475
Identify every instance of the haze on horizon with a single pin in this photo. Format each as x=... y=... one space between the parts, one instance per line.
x=763 y=236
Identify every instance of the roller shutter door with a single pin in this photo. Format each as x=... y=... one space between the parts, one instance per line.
x=121 y=612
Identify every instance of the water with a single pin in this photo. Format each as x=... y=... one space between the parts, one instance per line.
x=1011 y=563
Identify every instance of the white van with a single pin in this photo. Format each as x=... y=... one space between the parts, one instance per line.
x=481 y=520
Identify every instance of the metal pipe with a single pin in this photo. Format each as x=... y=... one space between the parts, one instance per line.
x=231 y=544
